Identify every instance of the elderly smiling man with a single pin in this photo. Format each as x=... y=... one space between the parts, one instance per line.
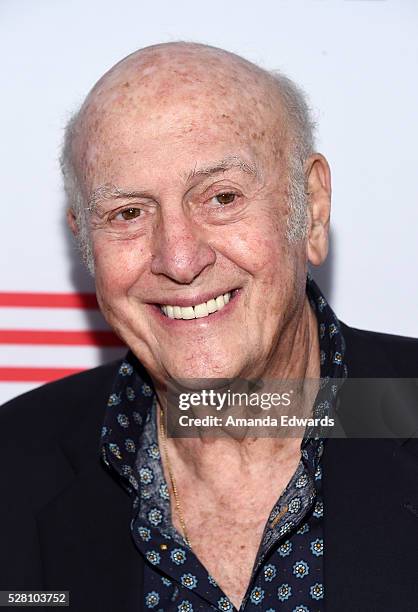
x=198 y=200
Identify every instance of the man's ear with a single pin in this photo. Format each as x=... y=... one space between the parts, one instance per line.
x=318 y=184
x=72 y=221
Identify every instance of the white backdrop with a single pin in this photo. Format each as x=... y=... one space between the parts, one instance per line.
x=357 y=60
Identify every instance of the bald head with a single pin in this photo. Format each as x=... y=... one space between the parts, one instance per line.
x=175 y=88
x=164 y=71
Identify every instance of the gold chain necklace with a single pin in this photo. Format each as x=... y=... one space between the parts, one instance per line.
x=172 y=481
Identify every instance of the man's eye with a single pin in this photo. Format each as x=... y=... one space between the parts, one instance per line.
x=128 y=214
x=225 y=198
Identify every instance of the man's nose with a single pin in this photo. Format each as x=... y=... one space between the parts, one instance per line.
x=180 y=250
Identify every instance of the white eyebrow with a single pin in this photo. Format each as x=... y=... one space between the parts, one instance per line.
x=110 y=191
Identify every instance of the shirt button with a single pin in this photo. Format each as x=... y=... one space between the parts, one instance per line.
x=163 y=546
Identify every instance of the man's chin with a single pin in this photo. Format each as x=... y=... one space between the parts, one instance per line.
x=200 y=377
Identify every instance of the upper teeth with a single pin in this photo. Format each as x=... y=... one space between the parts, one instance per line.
x=198 y=311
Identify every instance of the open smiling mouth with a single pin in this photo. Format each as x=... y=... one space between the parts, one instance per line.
x=199 y=311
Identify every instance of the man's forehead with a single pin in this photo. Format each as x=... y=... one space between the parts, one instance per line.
x=191 y=91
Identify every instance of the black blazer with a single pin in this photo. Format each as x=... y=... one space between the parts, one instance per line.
x=64 y=521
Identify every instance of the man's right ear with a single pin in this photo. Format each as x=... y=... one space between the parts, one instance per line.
x=72 y=221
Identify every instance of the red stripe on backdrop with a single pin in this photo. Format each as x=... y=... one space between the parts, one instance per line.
x=67 y=338
x=41 y=375
x=49 y=300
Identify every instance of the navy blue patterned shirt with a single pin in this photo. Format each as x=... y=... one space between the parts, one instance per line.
x=288 y=572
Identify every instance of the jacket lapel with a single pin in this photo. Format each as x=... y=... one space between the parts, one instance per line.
x=370 y=489
x=86 y=546
x=84 y=532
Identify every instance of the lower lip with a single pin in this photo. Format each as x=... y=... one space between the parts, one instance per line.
x=202 y=321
